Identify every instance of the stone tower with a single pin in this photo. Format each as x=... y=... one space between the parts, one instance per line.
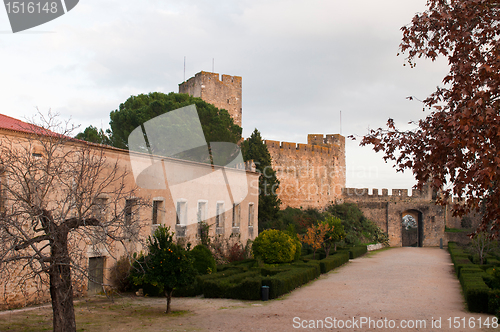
x=222 y=93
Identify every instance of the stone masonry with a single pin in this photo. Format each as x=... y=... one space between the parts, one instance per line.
x=387 y=212
x=222 y=93
x=312 y=174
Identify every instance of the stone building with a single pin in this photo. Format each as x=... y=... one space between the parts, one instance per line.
x=310 y=175
x=199 y=194
x=222 y=93
x=388 y=211
x=314 y=175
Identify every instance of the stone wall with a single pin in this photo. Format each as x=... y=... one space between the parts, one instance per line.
x=387 y=212
x=222 y=93
x=310 y=175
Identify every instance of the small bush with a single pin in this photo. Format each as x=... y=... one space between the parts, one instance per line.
x=120 y=275
x=274 y=246
x=204 y=261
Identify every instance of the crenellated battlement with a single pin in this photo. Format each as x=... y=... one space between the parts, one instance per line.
x=317 y=144
x=363 y=193
x=223 y=92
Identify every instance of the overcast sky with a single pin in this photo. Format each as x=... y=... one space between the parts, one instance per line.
x=302 y=62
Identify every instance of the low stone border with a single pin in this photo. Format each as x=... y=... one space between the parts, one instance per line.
x=375 y=246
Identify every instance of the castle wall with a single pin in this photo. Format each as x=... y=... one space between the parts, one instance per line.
x=222 y=93
x=310 y=175
x=387 y=212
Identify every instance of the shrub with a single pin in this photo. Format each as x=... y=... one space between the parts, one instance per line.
x=245 y=286
x=274 y=246
x=284 y=282
x=120 y=275
x=494 y=302
x=204 y=262
x=333 y=261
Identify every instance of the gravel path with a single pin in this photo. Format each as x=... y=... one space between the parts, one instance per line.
x=386 y=290
x=393 y=288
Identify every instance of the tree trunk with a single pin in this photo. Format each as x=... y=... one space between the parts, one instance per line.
x=168 y=293
x=327 y=249
x=61 y=289
x=335 y=246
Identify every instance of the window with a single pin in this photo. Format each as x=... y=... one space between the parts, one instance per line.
x=219 y=218
x=158 y=212
x=236 y=214
x=130 y=210
x=250 y=214
x=202 y=211
x=2 y=193
x=250 y=219
x=181 y=213
x=99 y=208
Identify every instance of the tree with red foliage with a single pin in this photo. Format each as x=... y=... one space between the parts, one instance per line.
x=457 y=147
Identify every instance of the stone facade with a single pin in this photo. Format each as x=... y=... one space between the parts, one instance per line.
x=312 y=174
x=205 y=199
x=387 y=211
x=222 y=93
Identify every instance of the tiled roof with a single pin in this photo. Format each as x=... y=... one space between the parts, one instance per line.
x=7 y=122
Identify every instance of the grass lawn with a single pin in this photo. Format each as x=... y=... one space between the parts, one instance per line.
x=100 y=314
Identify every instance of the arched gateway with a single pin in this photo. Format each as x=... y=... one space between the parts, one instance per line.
x=412 y=234
x=408 y=220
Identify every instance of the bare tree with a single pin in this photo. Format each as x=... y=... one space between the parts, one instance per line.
x=59 y=199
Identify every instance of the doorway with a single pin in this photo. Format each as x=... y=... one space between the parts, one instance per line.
x=96 y=275
x=412 y=234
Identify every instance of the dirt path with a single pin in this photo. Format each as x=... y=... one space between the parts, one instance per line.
x=391 y=288
x=397 y=284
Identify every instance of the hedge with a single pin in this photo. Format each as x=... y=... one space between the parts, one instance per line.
x=354 y=252
x=333 y=261
x=197 y=287
x=494 y=302
x=476 y=292
x=245 y=286
x=284 y=282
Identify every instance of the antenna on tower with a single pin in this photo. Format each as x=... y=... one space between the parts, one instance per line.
x=340 y=122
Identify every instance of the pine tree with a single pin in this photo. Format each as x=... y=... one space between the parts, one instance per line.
x=255 y=149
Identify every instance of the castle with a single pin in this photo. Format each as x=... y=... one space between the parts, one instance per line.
x=314 y=175
x=310 y=175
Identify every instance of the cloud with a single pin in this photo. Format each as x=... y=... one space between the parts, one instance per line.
x=302 y=62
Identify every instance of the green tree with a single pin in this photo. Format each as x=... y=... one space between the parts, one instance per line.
x=255 y=149
x=91 y=134
x=457 y=146
x=358 y=228
x=334 y=234
x=217 y=124
x=203 y=260
x=274 y=246
x=167 y=265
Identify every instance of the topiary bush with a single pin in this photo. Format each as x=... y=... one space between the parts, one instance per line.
x=204 y=261
x=273 y=246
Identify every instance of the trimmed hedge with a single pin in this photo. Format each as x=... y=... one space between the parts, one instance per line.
x=284 y=282
x=245 y=286
x=244 y=280
x=476 y=291
x=333 y=261
x=354 y=252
